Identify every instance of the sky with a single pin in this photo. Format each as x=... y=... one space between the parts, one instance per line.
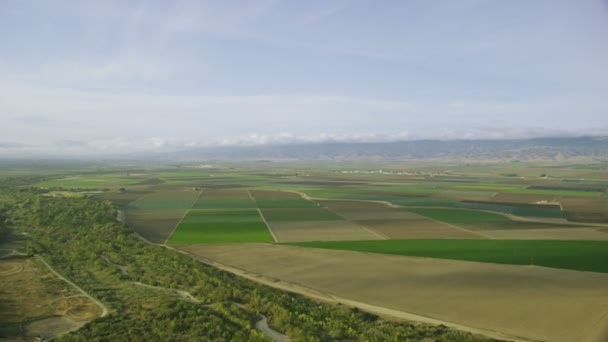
x=102 y=77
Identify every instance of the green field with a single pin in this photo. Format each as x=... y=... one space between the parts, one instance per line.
x=458 y=215
x=221 y=226
x=574 y=255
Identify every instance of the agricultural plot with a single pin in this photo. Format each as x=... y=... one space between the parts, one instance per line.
x=384 y=196
x=293 y=218
x=183 y=199
x=586 y=209
x=155 y=225
x=519 y=209
x=155 y=215
x=506 y=299
x=221 y=226
x=294 y=231
x=224 y=198
x=573 y=255
x=300 y=214
x=546 y=233
x=456 y=216
x=395 y=223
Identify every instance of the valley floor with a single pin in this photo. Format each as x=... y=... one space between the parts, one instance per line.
x=517 y=302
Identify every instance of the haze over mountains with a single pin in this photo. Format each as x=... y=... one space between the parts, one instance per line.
x=558 y=148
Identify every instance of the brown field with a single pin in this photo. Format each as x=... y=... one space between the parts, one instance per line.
x=547 y=234
x=29 y=292
x=321 y=231
x=586 y=209
x=273 y=194
x=224 y=193
x=155 y=225
x=521 y=302
x=415 y=228
x=523 y=198
x=395 y=223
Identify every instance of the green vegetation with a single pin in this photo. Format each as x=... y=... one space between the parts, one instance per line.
x=220 y=232
x=166 y=200
x=221 y=226
x=74 y=233
x=458 y=215
x=573 y=255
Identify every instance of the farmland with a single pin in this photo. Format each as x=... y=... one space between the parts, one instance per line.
x=573 y=255
x=220 y=226
x=476 y=244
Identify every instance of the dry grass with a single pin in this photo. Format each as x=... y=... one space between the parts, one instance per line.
x=30 y=292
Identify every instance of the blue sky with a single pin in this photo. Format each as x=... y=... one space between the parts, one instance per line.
x=106 y=76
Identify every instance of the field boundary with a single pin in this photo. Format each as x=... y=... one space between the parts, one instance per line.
x=274 y=237
x=180 y=220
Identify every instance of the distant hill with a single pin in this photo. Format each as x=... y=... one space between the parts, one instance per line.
x=579 y=148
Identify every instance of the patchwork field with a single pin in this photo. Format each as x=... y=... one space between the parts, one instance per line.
x=351 y=216
x=395 y=223
x=489 y=297
x=294 y=218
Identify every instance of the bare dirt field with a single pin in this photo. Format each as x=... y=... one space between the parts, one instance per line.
x=154 y=224
x=414 y=228
x=321 y=231
x=48 y=328
x=547 y=234
x=521 y=302
x=30 y=292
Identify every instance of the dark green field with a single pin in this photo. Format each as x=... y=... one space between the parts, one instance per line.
x=221 y=226
x=573 y=255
